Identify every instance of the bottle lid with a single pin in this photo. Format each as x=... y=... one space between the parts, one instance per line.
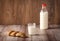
x=44 y=5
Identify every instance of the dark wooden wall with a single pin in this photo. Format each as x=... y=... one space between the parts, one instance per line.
x=26 y=11
x=57 y=12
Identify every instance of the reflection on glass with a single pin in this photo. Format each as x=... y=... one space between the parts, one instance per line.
x=43 y=35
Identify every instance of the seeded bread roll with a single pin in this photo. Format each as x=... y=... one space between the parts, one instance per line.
x=12 y=33
x=23 y=35
x=20 y=34
x=17 y=34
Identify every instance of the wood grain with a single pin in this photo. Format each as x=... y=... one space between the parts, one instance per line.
x=27 y=11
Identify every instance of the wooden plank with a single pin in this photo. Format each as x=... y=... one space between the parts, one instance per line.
x=51 y=35
x=43 y=35
x=27 y=11
x=8 y=38
x=57 y=34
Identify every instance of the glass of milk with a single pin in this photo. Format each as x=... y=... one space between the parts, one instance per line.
x=32 y=29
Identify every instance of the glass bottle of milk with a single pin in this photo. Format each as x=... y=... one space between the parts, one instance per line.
x=44 y=17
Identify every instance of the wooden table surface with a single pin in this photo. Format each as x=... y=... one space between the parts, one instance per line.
x=45 y=35
x=52 y=34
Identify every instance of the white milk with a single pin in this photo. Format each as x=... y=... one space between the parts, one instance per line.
x=43 y=20
x=32 y=30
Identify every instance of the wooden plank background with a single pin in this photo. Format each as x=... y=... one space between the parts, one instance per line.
x=27 y=11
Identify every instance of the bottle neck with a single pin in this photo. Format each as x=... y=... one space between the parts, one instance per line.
x=44 y=9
